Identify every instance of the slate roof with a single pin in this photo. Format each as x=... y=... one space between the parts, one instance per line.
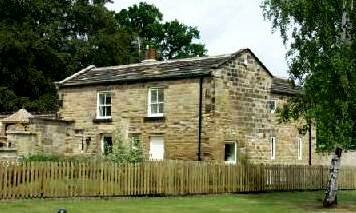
x=157 y=70
x=283 y=86
x=161 y=70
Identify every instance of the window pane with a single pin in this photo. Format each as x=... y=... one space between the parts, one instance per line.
x=108 y=111
x=104 y=111
x=101 y=111
x=300 y=148
x=154 y=109
x=154 y=96
x=107 y=145
x=160 y=110
x=271 y=105
x=160 y=95
x=101 y=99
x=108 y=99
x=273 y=148
x=135 y=141
x=230 y=152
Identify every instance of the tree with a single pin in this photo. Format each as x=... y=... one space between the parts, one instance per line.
x=46 y=41
x=322 y=60
x=172 y=39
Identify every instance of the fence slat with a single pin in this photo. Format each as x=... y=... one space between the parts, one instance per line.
x=72 y=179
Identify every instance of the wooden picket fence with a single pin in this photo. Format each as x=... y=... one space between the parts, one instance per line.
x=75 y=179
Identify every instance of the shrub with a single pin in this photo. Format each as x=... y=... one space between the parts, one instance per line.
x=125 y=151
x=41 y=157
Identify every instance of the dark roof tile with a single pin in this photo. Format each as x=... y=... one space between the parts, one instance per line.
x=283 y=86
x=183 y=68
x=157 y=70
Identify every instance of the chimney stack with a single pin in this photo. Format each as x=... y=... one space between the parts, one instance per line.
x=150 y=55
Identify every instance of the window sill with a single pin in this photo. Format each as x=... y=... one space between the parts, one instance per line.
x=155 y=115
x=102 y=120
x=154 y=119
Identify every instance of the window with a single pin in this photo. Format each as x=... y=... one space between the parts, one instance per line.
x=155 y=102
x=135 y=140
x=156 y=148
x=300 y=148
x=273 y=148
x=272 y=106
x=106 y=144
x=230 y=152
x=104 y=105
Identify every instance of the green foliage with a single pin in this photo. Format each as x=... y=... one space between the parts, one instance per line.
x=323 y=62
x=124 y=151
x=172 y=39
x=41 y=157
x=46 y=41
x=135 y=153
x=62 y=158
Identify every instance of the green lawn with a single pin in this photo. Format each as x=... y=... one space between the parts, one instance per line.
x=271 y=202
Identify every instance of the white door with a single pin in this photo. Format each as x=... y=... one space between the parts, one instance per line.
x=156 y=148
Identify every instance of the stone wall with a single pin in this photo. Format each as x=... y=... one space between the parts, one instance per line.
x=24 y=142
x=234 y=110
x=239 y=114
x=129 y=115
x=287 y=136
x=41 y=136
x=56 y=136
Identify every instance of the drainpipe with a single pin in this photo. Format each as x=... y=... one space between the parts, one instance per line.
x=200 y=117
x=310 y=143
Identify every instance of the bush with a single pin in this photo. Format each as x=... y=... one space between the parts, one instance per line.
x=122 y=152
x=41 y=157
x=125 y=151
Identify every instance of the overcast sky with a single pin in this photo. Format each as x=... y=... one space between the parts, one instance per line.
x=225 y=26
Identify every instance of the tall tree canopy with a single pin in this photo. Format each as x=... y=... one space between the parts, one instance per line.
x=45 y=41
x=172 y=39
x=322 y=60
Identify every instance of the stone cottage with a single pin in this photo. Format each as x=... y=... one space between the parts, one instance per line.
x=206 y=108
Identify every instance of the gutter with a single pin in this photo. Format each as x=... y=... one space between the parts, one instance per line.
x=200 y=116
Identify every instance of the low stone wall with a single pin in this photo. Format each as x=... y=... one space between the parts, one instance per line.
x=347 y=158
x=40 y=135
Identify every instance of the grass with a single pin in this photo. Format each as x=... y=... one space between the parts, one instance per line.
x=267 y=202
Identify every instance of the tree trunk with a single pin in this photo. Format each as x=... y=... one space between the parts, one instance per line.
x=331 y=189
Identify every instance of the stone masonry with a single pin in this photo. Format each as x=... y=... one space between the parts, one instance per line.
x=236 y=90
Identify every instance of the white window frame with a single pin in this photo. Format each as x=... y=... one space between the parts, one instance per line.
x=98 y=116
x=275 y=106
x=235 y=152
x=102 y=142
x=300 y=148
x=273 y=148
x=150 y=114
